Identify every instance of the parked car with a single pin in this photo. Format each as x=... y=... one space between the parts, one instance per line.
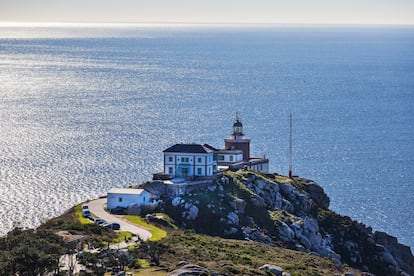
x=85 y=207
x=86 y=213
x=113 y=225
x=99 y=221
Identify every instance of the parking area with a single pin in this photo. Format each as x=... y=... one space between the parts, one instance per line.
x=97 y=208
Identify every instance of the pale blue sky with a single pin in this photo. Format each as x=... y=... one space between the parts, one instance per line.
x=211 y=11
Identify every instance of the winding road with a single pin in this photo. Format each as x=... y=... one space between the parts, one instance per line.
x=97 y=208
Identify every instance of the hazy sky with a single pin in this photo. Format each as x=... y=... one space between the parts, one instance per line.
x=211 y=11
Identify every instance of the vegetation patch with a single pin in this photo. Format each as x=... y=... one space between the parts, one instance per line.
x=79 y=216
x=157 y=233
x=283 y=179
x=69 y=221
x=30 y=252
x=122 y=236
x=234 y=256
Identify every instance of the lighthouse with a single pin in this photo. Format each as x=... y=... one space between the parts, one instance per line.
x=237 y=139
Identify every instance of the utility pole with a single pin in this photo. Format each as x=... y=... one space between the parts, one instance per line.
x=290 y=145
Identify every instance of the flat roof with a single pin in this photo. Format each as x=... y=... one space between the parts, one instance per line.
x=125 y=191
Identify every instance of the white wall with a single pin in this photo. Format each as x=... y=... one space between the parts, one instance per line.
x=230 y=157
x=200 y=164
x=115 y=200
x=261 y=167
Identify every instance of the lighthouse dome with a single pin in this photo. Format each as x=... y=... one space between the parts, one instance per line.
x=237 y=128
x=237 y=124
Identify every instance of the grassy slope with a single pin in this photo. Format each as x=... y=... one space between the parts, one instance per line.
x=73 y=221
x=157 y=233
x=235 y=257
x=79 y=216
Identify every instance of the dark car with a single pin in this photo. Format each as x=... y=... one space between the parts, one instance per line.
x=113 y=226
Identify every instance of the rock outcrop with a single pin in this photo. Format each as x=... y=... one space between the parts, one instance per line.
x=189 y=269
x=293 y=213
x=274 y=269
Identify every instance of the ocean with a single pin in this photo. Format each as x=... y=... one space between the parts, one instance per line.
x=84 y=108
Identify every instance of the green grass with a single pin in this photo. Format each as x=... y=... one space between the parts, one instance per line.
x=121 y=237
x=237 y=257
x=79 y=216
x=143 y=263
x=157 y=233
x=283 y=179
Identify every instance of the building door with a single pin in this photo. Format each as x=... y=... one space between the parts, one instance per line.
x=183 y=170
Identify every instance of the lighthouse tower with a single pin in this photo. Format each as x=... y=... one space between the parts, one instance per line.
x=237 y=140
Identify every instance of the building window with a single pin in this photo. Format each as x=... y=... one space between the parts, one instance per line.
x=170 y=170
x=144 y=198
x=120 y=199
x=170 y=159
x=185 y=159
x=199 y=171
x=231 y=158
x=199 y=159
x=221 y=157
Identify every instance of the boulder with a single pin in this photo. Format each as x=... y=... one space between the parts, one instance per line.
x=239 y=205
x=286 y=189
x=258 y=201
x=193 y=212
x=233 y=218
x=189 y=269
x=318 y=195
x=212 y=188
x=401 y=253
x=256 y=235
x=176 y=201
x=304 y=241
x=287 y=206
x=274 y=269
x=286 y=234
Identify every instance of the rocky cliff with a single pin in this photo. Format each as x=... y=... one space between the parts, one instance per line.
x=291 y=213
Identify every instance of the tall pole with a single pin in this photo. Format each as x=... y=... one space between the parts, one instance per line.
x=290 y=145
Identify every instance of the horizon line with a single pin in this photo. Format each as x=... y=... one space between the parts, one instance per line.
x=183 y=24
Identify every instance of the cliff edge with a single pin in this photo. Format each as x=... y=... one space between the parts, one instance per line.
x=290 y=213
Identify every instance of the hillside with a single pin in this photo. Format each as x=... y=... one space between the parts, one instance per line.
x=238 y=225
x=287 y=213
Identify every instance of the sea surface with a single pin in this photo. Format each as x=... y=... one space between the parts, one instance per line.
x=84 y=108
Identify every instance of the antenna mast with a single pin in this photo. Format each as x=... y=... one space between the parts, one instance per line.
x=290 y=145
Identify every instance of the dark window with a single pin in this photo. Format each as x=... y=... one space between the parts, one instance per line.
x=120 y=199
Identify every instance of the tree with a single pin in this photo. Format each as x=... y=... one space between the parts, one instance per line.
x=30 y=252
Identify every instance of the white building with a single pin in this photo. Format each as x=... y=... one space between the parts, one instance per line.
x=225 y=158
x=190 y=160
x=123 y=198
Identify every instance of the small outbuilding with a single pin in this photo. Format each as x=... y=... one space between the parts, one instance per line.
x=123 y=198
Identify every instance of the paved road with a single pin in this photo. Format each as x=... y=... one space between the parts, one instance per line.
x=97 y=208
